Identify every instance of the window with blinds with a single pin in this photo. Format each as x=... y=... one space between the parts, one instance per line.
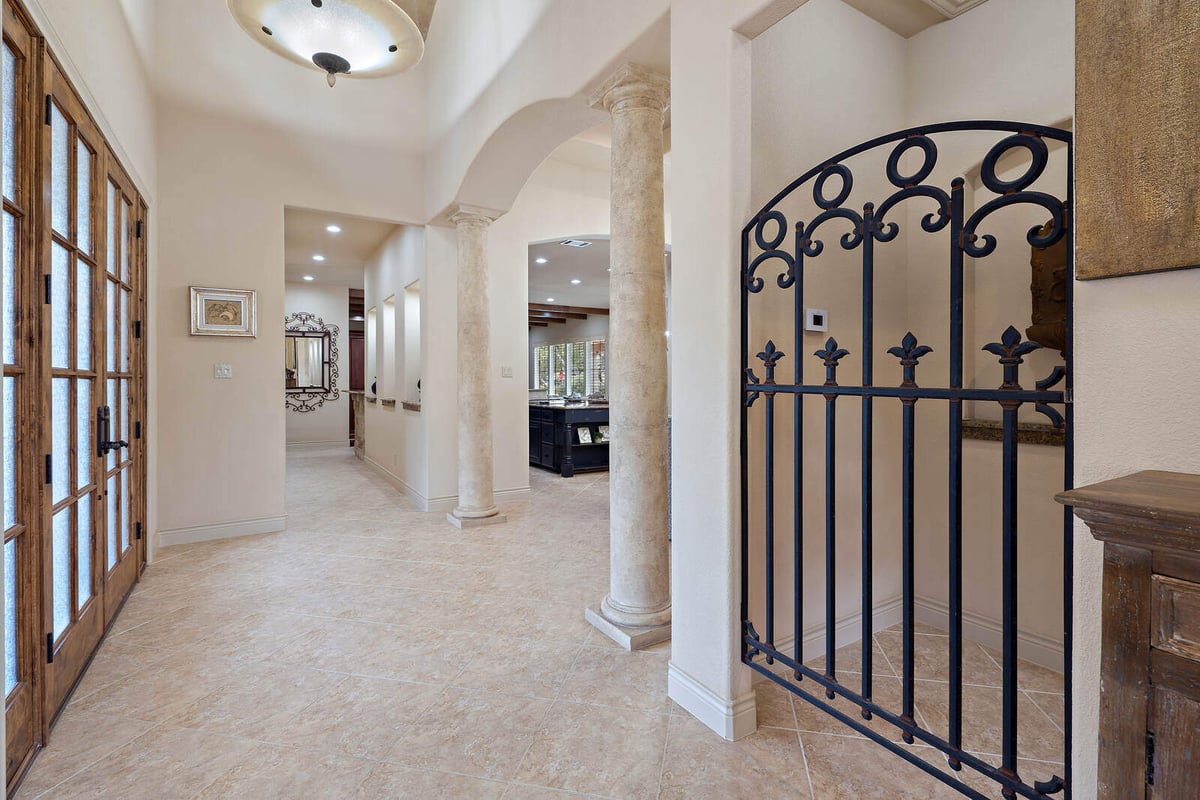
x=571 y=368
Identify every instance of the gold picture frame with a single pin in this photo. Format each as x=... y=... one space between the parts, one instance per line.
x=223 y=312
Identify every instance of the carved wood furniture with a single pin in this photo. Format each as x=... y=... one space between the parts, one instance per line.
x=1150 y=664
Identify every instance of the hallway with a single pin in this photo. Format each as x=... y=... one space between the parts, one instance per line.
x=373 y=651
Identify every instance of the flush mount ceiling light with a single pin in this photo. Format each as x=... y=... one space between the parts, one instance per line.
x=359 y=38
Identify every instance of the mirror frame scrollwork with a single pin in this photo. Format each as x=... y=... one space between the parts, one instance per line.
x=305 y=400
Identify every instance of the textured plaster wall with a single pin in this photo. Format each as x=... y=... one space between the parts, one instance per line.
x=1136 y=388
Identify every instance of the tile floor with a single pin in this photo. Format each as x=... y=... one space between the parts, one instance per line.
x=373 y=651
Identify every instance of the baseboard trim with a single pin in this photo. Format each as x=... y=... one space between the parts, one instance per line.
x=319 y=443
x=730 y=719
x=221 y=530
x=443 y=505
x=847 y=630
x=398 y=482
x=1041 y=650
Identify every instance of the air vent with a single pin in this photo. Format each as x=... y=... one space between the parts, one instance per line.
x=575 y=243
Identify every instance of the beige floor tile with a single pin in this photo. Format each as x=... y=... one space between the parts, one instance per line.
x=1053 y=706
x=483 y=734
x=1030 y=676
x=284 y=772
x=261 y=698
x=699 y=765
x=932 y=659
x=359 y=717
x=614 y=677
x=848 y=768
x=163 y=764
x=1038 y=738
x=608 y=751
x=76 y=745
x=394 y=782
x=523 y=791
x=849 y=659
x=162 y=691
x=526 y=667
x=773 y=706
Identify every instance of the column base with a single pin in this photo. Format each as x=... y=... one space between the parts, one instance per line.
x=475 y=522
x=629 y=637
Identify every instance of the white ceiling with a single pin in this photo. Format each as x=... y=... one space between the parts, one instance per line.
x=345 y=253
x=563 y=264
x=201 y=58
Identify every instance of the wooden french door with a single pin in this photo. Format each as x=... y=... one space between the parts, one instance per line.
x=74 y=387
x=123 y=544
x=72 y=495
x=21 y=66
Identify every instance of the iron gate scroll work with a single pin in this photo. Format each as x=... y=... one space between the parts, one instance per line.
x=765 y=239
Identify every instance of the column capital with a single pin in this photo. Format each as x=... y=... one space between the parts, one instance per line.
x=462 y=215
x=632 y=86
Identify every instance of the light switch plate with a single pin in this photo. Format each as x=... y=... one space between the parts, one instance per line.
x=223 y=371
x=506 y=372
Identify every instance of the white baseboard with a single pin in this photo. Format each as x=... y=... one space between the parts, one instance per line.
x=221 y=530
x=443 y=505
x=343 y=442
x=1035 y=647
x=730 y=719
x=847 y=630
x=448 y=503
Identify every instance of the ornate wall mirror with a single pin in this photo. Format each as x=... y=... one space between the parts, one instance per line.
x=310 y=362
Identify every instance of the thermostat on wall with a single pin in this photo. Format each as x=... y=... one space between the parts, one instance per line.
x=816 y=319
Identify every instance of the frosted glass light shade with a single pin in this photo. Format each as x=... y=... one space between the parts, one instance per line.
x=376 y=37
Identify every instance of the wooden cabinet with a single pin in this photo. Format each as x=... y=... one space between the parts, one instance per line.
x=1150 y=652
x=555 y=441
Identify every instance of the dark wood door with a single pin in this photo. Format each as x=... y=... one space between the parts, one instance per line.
x=358 y=360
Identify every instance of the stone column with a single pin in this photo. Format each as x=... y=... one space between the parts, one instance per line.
x=476 y=502
x=637 y=611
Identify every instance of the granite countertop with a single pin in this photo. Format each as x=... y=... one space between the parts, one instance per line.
x=547 y=404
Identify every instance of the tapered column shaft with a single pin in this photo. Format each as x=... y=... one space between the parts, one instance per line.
x=639 y=594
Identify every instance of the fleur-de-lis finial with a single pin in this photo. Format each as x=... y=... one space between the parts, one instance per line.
x=831 y=355
x=910 y=353
x=770 y=357
x=1010 y=348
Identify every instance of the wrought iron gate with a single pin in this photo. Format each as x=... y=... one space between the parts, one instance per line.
x=766 y=239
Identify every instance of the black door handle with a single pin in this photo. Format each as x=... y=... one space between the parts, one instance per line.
x=104 y=430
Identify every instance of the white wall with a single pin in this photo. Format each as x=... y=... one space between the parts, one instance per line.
x=396 y=439
x=225 y=186
x=331 y=421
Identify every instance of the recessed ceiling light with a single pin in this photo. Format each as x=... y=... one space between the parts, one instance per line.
x=318 y=257
x=575 y=243
x=576 y=281
x=549 y=299
x=357 y=318
x=309 y=278
x=610 y=269
x=540 y=260
x=333 y=228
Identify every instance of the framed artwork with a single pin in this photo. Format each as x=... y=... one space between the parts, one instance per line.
x=585 y=435
x=224 y=312
x=602 y=433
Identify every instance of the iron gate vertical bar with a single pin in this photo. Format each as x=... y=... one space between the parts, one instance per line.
x=908 y=559
x=868 y=350
x=830 y=536
x=769 y=521
x=743 y=454
x=956 y=468
x=1009 y=569
x=798 y=455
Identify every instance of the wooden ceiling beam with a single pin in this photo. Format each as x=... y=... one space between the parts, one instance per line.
x=533 y=324
x=571 y=309
x=546 y=318
x=538 y=314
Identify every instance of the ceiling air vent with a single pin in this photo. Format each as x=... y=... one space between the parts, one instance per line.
x=575 y=243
